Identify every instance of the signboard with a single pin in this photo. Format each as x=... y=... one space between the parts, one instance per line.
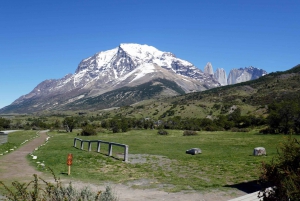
x=69 y=162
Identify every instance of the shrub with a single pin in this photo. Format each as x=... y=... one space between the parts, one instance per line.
x=189 y=133
x=283 y=173
x=268 y=131
x=213 y=128
x=162 y=132
x=88 y=131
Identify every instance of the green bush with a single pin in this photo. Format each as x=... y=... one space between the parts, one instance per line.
x=189 y=133
x=88 y=131
x=162 y=132
x=283 y=173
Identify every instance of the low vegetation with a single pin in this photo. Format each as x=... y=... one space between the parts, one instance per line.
x=162 y=132
x=189 y=133
x=47 y=191
x=283 y=173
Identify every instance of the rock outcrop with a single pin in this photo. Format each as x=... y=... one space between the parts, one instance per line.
x=244 y=74
x=220 y=76
x=208 y=69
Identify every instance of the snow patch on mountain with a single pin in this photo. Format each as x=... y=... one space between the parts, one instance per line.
x=143 y=70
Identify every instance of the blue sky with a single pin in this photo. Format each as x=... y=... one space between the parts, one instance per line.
x=42 y=40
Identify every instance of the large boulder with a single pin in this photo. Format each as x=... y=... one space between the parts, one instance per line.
x=193 y=151
x=259 y=151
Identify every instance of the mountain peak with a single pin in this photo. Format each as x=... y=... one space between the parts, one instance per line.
x=141 y=52
x=208 y=69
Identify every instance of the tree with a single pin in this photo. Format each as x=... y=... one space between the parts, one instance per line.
x=4 y=123
x=115 y=125
x=283 y=173
x=124 y=125
x=284 y=117
x=235 y=115
x=69 y=123
x=56 y=123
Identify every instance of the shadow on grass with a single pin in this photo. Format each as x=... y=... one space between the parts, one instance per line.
x=119 y=158
x=247 y=187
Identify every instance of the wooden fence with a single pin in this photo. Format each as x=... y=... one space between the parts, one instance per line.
x=110 y=144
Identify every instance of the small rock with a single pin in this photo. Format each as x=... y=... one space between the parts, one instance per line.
x=193 y=151
x=259 y=151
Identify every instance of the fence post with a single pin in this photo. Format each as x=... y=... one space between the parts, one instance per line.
x=98 y=146
x=110 y=145
x=90 y=146
x=81 y=147
x=110 y=149
x=126 y=153
x=75 y=142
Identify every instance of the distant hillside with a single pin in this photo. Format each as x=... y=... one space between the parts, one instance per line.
x=251 y=96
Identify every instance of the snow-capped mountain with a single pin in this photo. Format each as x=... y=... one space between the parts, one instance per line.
x=123 y=76
x=128 y=65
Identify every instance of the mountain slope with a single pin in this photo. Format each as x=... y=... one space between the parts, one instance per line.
x=252 y=97
x=127 y=95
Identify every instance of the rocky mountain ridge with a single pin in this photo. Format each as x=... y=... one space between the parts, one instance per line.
x=128 y=65
x=235 y=75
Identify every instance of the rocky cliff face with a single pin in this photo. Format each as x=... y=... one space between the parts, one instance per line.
x=220 y=76
x=244 y=74
x=208 y=69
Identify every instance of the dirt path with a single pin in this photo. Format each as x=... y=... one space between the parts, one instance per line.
x=14 y=166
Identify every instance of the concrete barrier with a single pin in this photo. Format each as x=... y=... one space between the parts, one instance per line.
x=110 y=145
x=3 y=138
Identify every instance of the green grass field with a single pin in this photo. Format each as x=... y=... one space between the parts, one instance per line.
x=226 y=158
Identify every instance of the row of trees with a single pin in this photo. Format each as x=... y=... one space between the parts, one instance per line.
x=222 y=122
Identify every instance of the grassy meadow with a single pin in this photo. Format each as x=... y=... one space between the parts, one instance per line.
x=160 y=161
